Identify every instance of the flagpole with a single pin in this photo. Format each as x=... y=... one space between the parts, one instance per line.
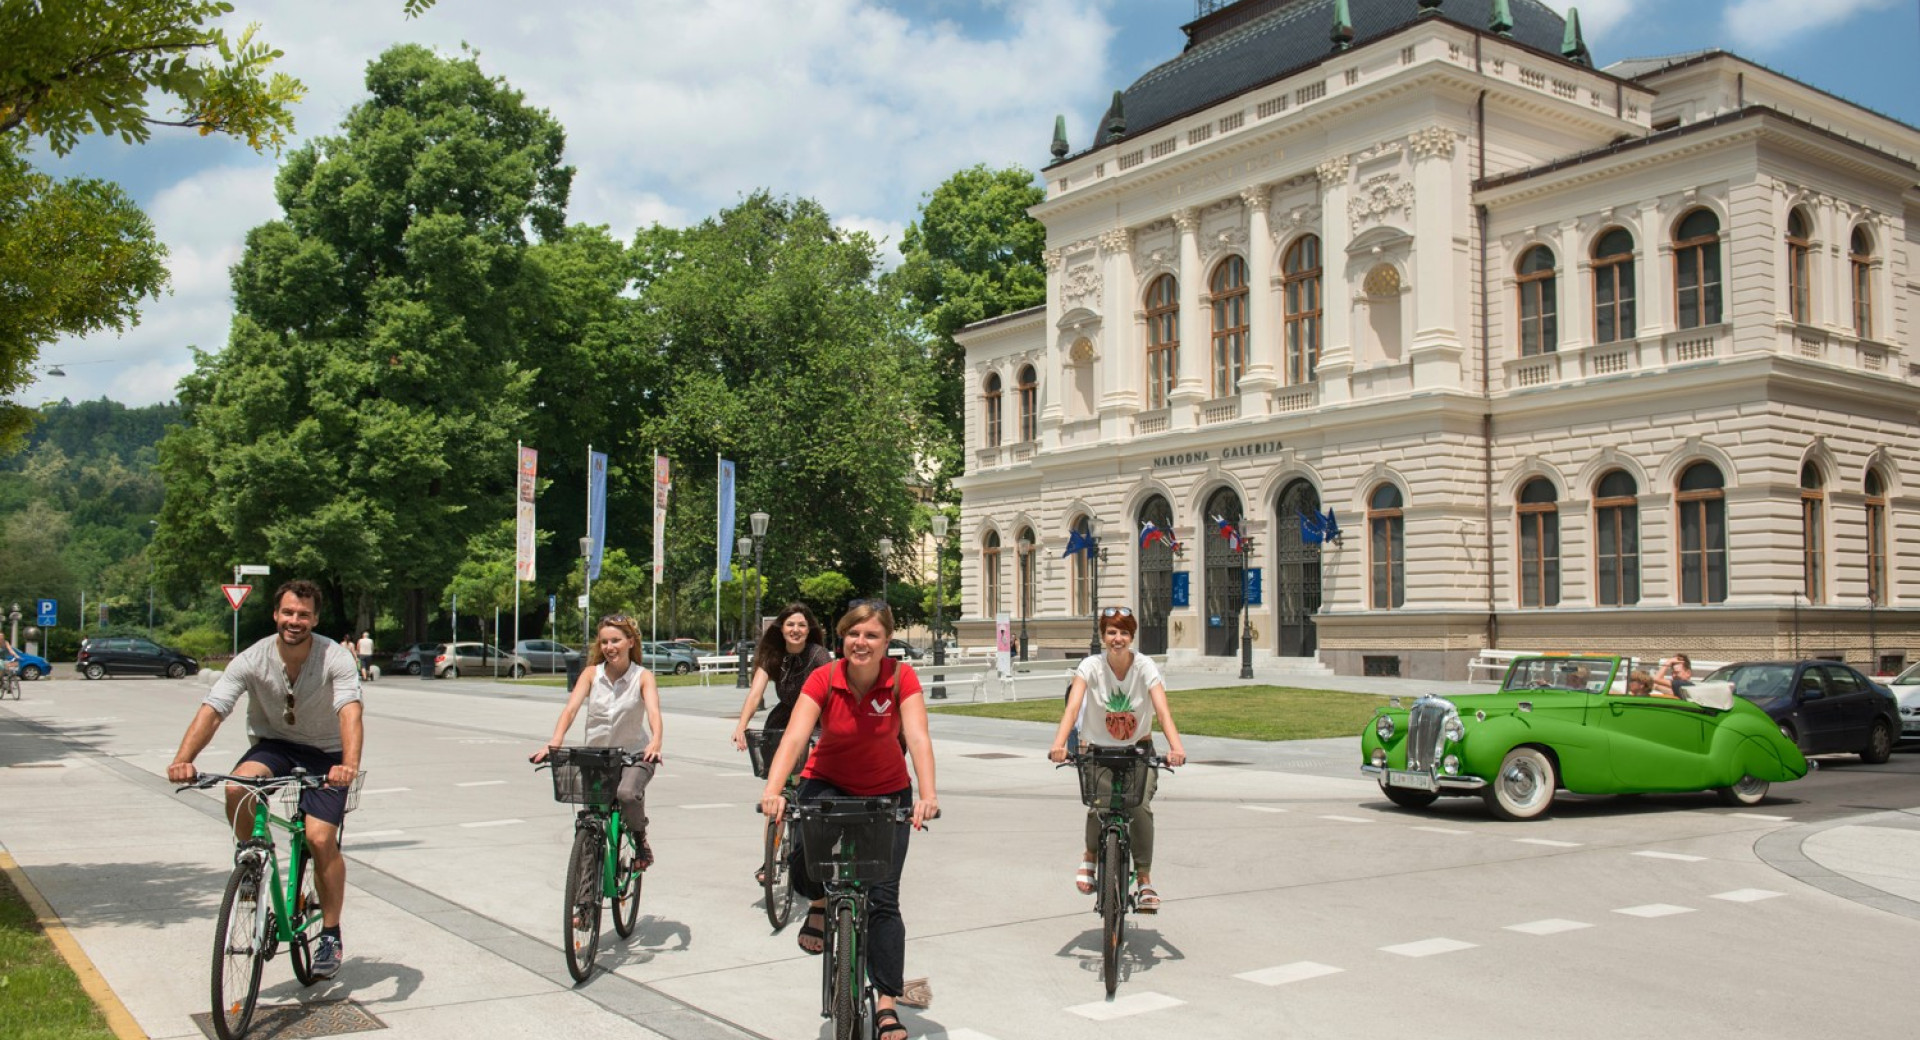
x=653 y=455
x=586 y=562
x=716 y=553
x=518 y=446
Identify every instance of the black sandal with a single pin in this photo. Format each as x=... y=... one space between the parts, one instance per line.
x=885 y=1021
x=815 y=928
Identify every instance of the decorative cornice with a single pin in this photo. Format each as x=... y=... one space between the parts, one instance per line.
x=1434 y=142
x=1379 y=196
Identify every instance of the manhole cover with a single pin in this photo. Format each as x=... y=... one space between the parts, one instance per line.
x=298 y=1021
x=1201 y=762
x=983 y=754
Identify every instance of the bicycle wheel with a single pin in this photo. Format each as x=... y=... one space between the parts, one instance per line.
x=306 y=922
x=627 y=880
x=846 y=982
x=580 y=920
x=237 y=953
x=1113 y=909
x=775 y=881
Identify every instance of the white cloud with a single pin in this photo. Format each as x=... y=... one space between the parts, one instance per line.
x=1762 y=25
x=674 y=109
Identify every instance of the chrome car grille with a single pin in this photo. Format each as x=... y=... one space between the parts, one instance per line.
x=1424 y=723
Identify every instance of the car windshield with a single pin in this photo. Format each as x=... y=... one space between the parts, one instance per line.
x=1560 y=673
x=1910 y=677
x=1756 y=682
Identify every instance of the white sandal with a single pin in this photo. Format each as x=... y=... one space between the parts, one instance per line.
x=1083 y=878
x=1146 y=900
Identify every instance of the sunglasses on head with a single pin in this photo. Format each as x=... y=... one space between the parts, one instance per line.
x=872 y=604
x=1116 y=612
x=614 y=619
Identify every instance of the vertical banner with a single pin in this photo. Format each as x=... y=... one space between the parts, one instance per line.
x=661 y=482
x=523 y=535
x=725 y=567
x=596 y=510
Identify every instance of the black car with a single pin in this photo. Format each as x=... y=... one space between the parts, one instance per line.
x=1823 y=706
x=899 y=648
x=132 y=655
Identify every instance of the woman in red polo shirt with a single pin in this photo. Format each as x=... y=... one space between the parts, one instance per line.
x=866 y=704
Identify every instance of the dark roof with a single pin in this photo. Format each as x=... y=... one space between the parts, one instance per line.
x=1258 y=41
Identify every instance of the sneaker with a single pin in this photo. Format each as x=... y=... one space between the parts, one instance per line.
x=326 y=956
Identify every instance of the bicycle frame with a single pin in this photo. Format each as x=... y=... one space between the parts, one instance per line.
x=604 y=821
x=259 y=845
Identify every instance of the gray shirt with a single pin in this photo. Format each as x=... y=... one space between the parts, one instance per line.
x=329 y=681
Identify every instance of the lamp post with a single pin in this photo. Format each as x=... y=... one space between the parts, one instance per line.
x=1246 y=616
x=14 y=616
x=1025 y=573
x=154 y=526
x=886 y=553
x=939 y=602
x=757 y=523
x=1094 y=554
x=743 y=548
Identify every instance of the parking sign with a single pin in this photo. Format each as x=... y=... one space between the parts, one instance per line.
x=49 y=611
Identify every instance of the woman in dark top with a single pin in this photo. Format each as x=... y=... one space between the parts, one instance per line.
x=788 y=651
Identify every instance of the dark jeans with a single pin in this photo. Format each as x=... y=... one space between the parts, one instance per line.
x=886 y=931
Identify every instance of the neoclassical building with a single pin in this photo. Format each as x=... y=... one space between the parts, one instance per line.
x=1614 y=359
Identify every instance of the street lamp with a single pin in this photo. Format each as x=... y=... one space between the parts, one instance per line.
x=1246 y=616
x=14 y=616
x=1025 y=573
x=886 y=553
x=757 y=523
x=155 y=525
x=743 y=548
x=939 y=601
x=1094 y=555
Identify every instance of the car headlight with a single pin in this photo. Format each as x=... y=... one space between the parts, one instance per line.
x=1451 y=765
x=1383 y=727
x=1379 y=758
x=1453 y=729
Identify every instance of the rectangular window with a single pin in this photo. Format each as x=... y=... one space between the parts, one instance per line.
x=1618 y=550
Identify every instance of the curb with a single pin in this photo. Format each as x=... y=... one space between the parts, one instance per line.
x=118 y=1018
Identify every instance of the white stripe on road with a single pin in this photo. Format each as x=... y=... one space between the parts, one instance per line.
x=702 y=805
x=1549 y=842
x=1550 y=926
x=1442 y=830
x=493 y=823
x=1759 y=816
x=377 y=834
x=735 y=776
x=1121 y=1007
x=1677 y=857
x=1428 y=947
x=1747 y=895
x=1262 y=808
x=1654 y=910
x=387 y=790
x=486 y=783
x=1347 y=819
x=1298 y=971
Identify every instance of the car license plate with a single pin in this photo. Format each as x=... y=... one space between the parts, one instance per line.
x=1417 y=781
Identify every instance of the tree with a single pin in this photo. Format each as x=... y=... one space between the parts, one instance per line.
x=974 y=254
x=359 y=427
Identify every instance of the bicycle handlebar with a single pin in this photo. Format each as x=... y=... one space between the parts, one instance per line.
x=1155 y=761
x=630 y=758
x=299 y=777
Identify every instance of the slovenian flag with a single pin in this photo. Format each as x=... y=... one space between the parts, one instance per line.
x=1231 y=534
x=1152 y=534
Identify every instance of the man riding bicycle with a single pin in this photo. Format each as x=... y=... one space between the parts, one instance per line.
x=303 y=711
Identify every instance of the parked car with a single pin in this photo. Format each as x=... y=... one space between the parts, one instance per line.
x=676 y=658
x=545 y=655
x=901 y=648
x=408 y=660
x=30 y=666
x=132 y=655
x=1906 y=690
x=457 y=659
x=1554 y=724
x=1822 y=706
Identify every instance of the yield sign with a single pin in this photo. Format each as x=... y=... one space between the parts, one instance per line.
x=236 y=594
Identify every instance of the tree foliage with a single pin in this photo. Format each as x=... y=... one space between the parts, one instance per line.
x=77 y=67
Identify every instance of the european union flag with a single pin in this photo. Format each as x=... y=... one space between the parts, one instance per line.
x=1078 y=541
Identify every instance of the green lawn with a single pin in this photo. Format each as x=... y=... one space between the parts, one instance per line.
x=40 y=999
x=1243 y=712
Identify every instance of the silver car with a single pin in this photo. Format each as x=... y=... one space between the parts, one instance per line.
x=1906 y=690
x=545 y=655
x=676 y=658
x=477 y=659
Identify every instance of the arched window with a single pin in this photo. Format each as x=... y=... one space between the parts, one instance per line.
x=1387 y=548
x=1163 y=339
x=1083 y=570
x=1813 y=533
x=1702 y=501
x=1799 y=266
x=1029 y=391
x=1229 y=289
x=990 y=573
x=1876 y=489
x=1613 y=312
x=1860 y=262
x=1539 y=518
x=1302 y=292
x=1696 y=270
x=1539 y=332
x=1616 y=521
x=1024 y=572
x=990 y=411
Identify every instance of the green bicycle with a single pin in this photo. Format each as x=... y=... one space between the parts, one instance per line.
x=775 y=880
x=605 y=863
x=1127 y=768
x=262 y=907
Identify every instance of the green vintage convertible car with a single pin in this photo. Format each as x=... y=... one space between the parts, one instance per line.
x=1565 y=722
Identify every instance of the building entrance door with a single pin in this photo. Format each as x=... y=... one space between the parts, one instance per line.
x=1154 y=600
x=1226 y=572
x=1296 y=564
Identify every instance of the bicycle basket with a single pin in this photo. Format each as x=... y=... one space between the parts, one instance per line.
x=848 y=839
x=287 y=795
x=761 y=745
x=1101 y=768
x=585 y=775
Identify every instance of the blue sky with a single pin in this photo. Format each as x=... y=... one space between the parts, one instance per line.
x=677 y=108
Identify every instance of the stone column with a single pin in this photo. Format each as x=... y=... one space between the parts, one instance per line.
x=1196 y=326
x=1336 y=327
x=1119 y=367
x=1264 y=332
x=1438 y=294
x=1653 y=296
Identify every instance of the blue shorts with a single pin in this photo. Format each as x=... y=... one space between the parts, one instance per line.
x=281 y=757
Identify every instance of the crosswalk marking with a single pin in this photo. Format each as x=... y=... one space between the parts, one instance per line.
x=1428 y=947
x=1298 y=971
x=1550 y=926
x=1654 y=910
